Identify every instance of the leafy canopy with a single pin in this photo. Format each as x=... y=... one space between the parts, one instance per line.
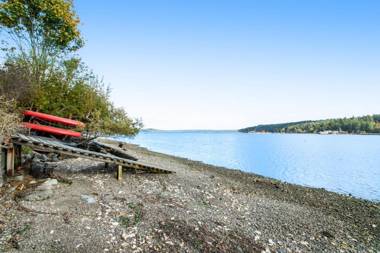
x=47 y=26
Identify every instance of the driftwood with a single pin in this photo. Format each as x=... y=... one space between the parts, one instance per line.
x=106 y=148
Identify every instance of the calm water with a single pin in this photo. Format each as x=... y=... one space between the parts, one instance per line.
x=341 y=163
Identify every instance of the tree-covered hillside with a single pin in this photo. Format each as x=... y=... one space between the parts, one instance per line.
x=357 y=125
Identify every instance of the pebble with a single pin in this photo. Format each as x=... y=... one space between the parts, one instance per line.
x=88 y=199
x=127 y=236
x=47 y=185
x=19 y=178
x=170 y=243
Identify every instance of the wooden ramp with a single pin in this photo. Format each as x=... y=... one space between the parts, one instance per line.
x=52 y=145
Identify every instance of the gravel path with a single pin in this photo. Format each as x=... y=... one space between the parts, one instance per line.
x=200 y=208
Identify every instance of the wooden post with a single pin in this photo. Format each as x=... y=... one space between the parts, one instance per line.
x=119 y=172
x=10 y=161
x=17 y=153
x=2 y=165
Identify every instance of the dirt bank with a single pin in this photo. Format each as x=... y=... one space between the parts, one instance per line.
x=200 y=208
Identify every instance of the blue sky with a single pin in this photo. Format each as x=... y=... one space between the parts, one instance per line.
x=216 y=64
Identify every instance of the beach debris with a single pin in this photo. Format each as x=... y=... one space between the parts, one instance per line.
x=102 y=147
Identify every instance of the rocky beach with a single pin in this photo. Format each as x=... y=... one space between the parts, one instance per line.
x=80 y=207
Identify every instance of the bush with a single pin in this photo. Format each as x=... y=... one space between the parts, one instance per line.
x=15 y=83
x=70 y=90
x=10 y=118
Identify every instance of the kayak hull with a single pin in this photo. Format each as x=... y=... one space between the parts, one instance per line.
x=56 y=119
x=51 y=130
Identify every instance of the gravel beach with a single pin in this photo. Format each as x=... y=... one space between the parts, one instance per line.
x=199 y=208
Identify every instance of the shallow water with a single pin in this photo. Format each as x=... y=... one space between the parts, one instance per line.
x=347 y=164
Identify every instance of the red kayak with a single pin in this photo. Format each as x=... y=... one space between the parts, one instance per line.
x=56 y=119
x=51 y=130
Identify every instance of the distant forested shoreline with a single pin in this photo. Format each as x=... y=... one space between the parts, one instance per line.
x=355 y=125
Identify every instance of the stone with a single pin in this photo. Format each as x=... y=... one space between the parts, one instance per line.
x=54 y=158
x=47 y=185
x=40 y=169
x=39 y=195
x=88 y=199
x=327 y=234
x=19 y=178
x=40 y=157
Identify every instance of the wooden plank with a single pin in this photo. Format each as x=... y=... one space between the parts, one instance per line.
x=114 y=150
x=55 y=146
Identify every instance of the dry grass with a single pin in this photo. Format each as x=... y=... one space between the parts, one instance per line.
x=9 y=118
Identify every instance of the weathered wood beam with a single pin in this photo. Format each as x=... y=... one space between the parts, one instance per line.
x=10 y=161
x=59 y=147
x=119 y=172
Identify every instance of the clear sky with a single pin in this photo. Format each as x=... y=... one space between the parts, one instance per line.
x=218 y=64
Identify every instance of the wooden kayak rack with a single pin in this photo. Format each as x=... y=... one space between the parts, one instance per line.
x=50 y=133
x=12 y=152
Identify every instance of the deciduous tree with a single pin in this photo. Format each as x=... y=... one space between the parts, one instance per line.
x=40 y=32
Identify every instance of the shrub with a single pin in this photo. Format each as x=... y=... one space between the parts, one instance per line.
x=9 y=117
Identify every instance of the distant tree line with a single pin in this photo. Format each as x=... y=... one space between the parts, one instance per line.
x=40 y=70
x=353 y=125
